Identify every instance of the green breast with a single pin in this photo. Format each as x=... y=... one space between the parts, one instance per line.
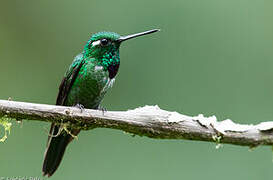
x=90 y=86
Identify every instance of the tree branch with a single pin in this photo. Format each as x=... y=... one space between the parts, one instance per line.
x=148 y=121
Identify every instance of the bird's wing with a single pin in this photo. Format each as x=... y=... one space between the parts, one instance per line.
x=67 y=83
x=69 y=79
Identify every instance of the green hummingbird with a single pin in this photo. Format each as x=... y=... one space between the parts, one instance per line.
x=89 y=77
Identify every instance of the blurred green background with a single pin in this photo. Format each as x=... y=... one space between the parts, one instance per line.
x=212 y=56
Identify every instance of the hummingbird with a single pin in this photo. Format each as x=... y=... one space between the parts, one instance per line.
x=91 y=74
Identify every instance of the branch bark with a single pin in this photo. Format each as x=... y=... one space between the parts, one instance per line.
x=148 y=121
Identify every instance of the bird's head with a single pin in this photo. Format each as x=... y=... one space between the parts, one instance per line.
x=104 y=48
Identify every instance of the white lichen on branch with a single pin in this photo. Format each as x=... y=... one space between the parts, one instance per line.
x=148 y=121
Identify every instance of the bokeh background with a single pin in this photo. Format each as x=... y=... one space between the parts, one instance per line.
x=213 y=57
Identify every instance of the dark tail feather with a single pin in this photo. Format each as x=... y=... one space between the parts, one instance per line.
x=56 y=146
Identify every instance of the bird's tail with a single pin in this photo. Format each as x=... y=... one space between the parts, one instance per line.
x=56 y=145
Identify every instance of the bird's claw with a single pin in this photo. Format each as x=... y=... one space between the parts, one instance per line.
x=103 y=109
x=80 y=106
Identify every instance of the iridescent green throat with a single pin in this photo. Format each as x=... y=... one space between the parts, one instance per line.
x=106 y=55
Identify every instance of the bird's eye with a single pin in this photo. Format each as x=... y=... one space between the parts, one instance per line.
x=104 y=42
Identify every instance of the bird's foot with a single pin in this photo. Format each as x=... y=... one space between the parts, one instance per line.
x=80 y=106
x=103 y=109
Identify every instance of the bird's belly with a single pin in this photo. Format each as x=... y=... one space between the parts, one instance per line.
x=89 y=87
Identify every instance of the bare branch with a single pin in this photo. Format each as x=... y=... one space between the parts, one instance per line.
x=148 y=121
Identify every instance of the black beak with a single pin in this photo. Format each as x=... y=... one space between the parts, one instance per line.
x=124 y=38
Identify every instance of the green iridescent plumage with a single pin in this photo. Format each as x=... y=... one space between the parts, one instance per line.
x=93 y=78
x=85 y=83
x=106 y=55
